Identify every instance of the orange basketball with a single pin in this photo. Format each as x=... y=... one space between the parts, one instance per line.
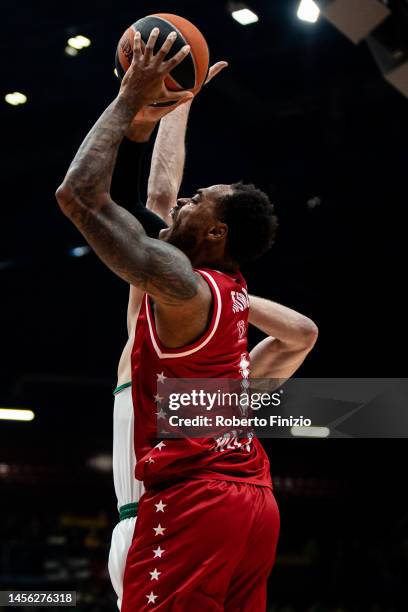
x=191 y=73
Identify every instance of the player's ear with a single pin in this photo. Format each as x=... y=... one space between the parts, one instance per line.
x=218 y=231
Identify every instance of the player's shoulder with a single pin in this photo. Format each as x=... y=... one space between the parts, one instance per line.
x=228 y=288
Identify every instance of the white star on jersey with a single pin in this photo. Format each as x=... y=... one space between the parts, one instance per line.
x=159 y=530
x=151 y=598
x=157 y=398
x=161 y=377
x=150 y=460
x=160 y=506
x=158 y=552
x=160 y=445
x=161 y=414
x=244 y=363
x=154 y=574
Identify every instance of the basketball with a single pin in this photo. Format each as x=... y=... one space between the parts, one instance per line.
x=191 y=73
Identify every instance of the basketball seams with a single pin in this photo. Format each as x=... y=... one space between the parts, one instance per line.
x=173 y=27
x=200 y=69
x=196 y=37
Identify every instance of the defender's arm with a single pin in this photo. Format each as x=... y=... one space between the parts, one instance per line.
x=166 y=172
x=291 y=336
x=167 y=166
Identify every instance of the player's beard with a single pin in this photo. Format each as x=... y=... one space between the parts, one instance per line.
x=183 y=238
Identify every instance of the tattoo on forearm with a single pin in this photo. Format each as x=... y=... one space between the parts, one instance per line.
x=115 y=235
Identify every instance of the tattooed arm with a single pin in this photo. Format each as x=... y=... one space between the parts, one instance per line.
x=116 y=236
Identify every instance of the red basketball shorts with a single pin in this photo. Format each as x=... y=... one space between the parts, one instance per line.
x=202 y=545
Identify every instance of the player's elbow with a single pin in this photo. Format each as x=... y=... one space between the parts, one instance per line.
x=307 y=333
x=73 y=201
x=66 y=199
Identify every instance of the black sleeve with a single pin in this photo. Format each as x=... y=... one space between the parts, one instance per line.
x=125 y=188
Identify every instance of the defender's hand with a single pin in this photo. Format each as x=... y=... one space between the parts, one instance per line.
x=153 y=114
x=143 y=82
x=214 y=70
x=144 y=122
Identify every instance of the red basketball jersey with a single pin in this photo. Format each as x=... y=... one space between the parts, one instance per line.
x=220 y=353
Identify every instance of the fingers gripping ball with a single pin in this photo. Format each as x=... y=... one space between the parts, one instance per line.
x=191 y=73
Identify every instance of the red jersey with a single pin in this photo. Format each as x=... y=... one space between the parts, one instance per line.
x=220 y=353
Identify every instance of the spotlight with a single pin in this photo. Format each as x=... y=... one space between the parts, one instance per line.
x=242 y=14
x=314 y=202
x=101 y=463
x=308 y=11
x=16 y=98
x=83 y=40
x=79 y=251
x=4 y=469
x=79 y=42
x=71 y=51
x=16 y=414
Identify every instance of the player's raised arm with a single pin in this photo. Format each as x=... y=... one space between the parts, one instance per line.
x=291 y=336
x=166 y=170
x=167 y=166
x=116 y=236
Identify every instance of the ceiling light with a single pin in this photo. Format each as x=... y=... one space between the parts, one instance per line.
x=308 y=11
x=16 y=98
x=244 y=16
x=16 y=414
x=4 y=469
x=79 y=42
x=102 y=462
x=83 y=40
x=71 y=51
x=79 y=251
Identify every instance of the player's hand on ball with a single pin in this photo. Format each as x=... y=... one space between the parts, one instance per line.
x=153 y=114
x=144 y=81
x=145 y=120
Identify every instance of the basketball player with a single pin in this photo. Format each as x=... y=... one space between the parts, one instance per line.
x=274 y=358
x=164 y=182
x=213 y=545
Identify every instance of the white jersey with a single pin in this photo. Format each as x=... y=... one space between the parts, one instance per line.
x=128 y=490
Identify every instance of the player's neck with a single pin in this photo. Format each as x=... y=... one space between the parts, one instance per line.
x=214 y=262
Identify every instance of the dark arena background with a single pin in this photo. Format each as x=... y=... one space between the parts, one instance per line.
x=309 y=117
